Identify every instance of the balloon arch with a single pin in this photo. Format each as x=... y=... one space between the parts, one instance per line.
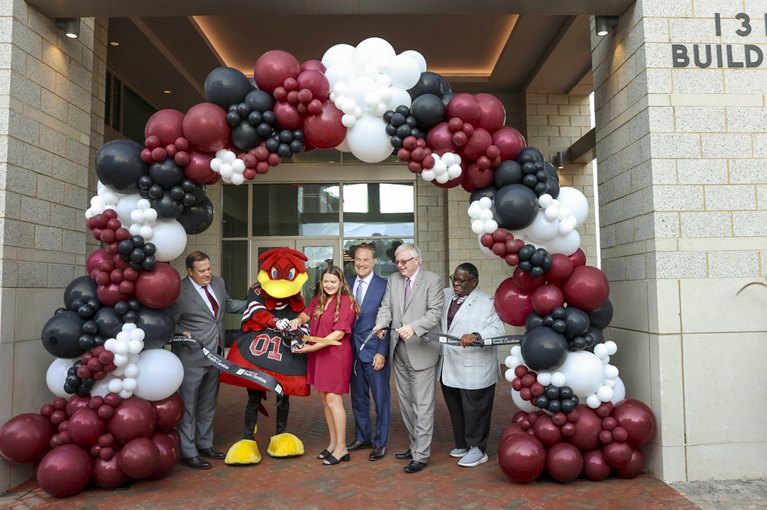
x=117 y=404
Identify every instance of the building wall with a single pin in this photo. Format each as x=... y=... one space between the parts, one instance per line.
x=49 y=121
x=682 y=202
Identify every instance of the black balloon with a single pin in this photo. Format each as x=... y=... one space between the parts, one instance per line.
x=166 y=173
x=108 y=322
x=576 y=322
x=118 y=165
x=430 y=83
x=225 y=86
x=158 y=327
x=601 y=317
x=533 y=321
x=543 y=349
x=197 y=218
x=515 y=206
x=259 y=101
x=82 y=288
x=245 y=136
x=428 y=110
x=488 y=192
x=61 y=335
x=508 y=172
x=530 y=155
x=167 y=207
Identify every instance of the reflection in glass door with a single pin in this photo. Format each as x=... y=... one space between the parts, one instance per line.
x=321 y=254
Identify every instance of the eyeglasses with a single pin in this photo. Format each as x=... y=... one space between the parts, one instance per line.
x=462 y=283
x=403 y=262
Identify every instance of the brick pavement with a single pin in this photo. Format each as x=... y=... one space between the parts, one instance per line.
x=304 y=483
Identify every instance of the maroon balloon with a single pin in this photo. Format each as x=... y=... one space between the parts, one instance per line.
x=476 y=144
x=315 y=65
x=526 y=281
x=110 y=294
x=595 y=466
x=546 y=298
x=158 y=288
x=522 y=457
x=26 y=438
x=65 y=470
x=166 y=125
x=273 y=68
x=564 y=462
x=587 y=288
x=174 y=435
x=546 y=431
x=617 y=455
x=96 y=258
x=560 y=270
x=287 y=116
x=325 y=130
x=168 y=455
x=465 y=107
x=512 y=304
x=133 y=418
x=638 y=420
x=198 y=170
x=205 y=127
x=510 y=142
x=440 y=139
x=492 y=113
x=139 y=458
x=169 y=412
x=452 y=183
x=578 y=258
x=85 y=427
x=107 y=473
x=634 y=467
x=75 y=403
x=477 y=178
x=316 y=82
x=587 y=429
x=512 y=429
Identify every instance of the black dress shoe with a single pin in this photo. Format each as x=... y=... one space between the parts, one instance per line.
x=211 y=453
x=377 y=453
x=406 y=455
x=359 y=445
x=195 y=463
x=414 y=466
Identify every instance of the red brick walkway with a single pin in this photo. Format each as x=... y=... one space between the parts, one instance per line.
x=304 y=483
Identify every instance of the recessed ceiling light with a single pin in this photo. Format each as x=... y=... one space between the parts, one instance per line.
x=166 y=91
x=114 y=43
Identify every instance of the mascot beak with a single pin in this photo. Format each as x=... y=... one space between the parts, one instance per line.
x=282 y=289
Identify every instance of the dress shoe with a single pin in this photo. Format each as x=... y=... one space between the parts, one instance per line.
x=359 y=445
x=414 y=466
x=195 y=463
x=406 y=455
x=377 y=453
x=211 y=453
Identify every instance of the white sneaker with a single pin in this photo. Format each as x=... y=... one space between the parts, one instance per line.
x=458 y=452
x=474 y=457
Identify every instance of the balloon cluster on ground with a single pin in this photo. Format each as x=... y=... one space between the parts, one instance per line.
x=373 y=102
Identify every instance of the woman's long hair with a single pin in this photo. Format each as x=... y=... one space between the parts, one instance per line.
x=343 y=290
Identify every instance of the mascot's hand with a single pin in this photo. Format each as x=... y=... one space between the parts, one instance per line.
x=283 y=324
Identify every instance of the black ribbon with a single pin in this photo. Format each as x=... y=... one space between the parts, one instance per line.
x=484 y=342
x=224 y=365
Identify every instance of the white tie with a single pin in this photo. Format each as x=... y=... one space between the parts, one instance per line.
x=358 y=292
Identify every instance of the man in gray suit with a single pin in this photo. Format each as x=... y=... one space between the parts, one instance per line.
x=468 y=373
x=199 y=313
x=412 y=306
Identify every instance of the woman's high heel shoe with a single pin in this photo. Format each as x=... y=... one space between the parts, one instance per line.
x=323 y=455
x=332 y=461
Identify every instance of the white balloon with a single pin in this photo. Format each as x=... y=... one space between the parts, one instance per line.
x=478 y=226
x=169 y=239
x=541 y=229
x=612 y=347
x=600 y=351
x=605 y=393
x=566 y=245
x=359 y=88
x=160 y=374
x=584 y=372
x=101 y=388
x=131 y=370
x=129 y=383
x=135 y=346
x=558 y=379
x=491 y=226
x=522 y=404
x=115 y=385
x=146 y=232
x=428 y=175
x=371 y=52
x=368 y=140
x=56 y=376
x=509 y=375
x=593 y=401
x=405 y=71
x=399 y=97
x=619 y=391
x=544 y=378
x=125 y=394
x=337 y=55
x=611 y=372
x=418 y=58
x=508 y=362
x=125 y=206
x=576 y=202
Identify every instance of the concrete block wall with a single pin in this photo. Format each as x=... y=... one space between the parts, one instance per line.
x=47 y=108
x=680 y=150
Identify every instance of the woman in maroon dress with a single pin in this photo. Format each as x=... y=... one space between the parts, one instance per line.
x=331 y=315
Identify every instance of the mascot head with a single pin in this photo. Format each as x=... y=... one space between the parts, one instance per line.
x=282 y=272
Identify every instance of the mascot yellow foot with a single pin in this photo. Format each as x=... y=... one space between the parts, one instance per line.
x=285 y=445
x=243 y=452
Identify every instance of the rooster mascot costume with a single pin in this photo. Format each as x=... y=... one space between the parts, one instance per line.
x=264 y=345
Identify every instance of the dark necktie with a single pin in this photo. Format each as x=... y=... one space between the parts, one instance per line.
x=455 y=304
x=212 y=301
x=407 y=289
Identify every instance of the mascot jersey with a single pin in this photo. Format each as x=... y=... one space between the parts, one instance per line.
x=261 y=347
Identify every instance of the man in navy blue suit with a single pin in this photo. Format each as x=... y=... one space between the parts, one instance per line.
x=370 y=375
